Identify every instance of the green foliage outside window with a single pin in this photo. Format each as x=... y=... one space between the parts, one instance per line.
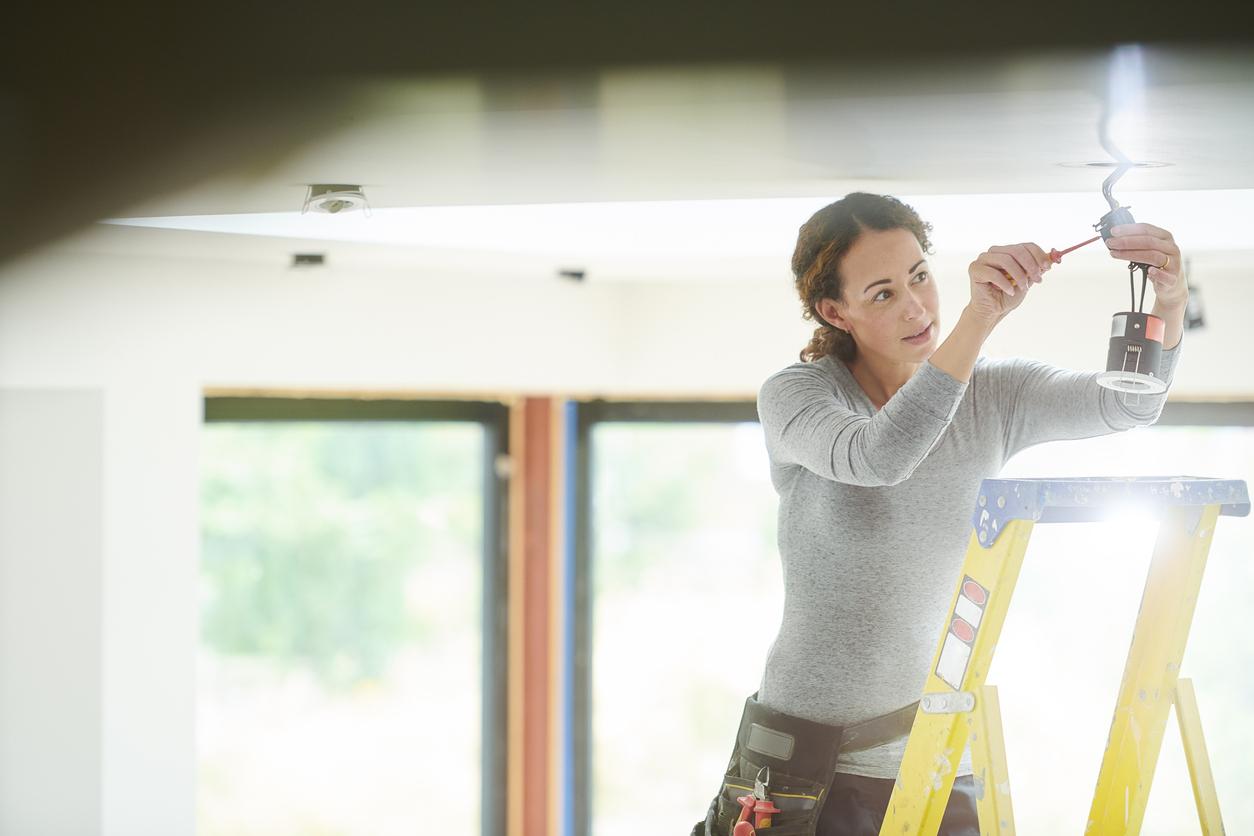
x=312 y=533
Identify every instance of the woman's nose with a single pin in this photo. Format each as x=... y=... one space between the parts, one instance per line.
x=914 y=308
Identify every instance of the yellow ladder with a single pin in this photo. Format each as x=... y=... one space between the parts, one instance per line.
x=957 y=706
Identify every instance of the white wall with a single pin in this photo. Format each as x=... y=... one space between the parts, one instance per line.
x=146 y=334
x=75 y=314
x=51 y=515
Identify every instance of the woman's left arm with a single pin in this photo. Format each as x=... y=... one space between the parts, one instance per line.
x=1043 y=403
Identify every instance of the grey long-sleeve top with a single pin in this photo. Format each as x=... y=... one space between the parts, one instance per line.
x=875 y=514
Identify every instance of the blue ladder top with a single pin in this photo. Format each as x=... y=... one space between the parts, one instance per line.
x=1087 y=499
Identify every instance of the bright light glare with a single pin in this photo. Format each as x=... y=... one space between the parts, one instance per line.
x=1126 y=100
x=641 y=230
x=1127 y=77
x=1134 y=515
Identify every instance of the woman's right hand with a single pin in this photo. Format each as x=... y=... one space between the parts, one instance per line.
x=1001 y=278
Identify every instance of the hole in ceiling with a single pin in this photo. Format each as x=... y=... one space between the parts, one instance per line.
x=1113 y=163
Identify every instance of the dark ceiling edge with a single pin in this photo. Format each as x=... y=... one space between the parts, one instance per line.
x=105 y=105
x=155 y=43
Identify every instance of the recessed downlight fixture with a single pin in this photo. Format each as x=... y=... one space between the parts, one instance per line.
x=1114 y=163
x=308 y=259
x=335 y=198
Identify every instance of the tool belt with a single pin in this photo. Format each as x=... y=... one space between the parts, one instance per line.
x=799 y=756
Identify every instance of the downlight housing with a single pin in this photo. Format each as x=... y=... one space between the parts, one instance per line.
x=1136 y=347
x=335 y=198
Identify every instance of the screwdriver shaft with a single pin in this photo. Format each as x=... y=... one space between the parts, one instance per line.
x=1056 y=255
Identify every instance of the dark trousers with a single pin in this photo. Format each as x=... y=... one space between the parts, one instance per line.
x=855 y=807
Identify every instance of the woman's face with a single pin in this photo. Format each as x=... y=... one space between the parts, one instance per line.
x=890 y=303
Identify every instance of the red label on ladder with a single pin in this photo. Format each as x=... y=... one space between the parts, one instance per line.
x=964 y=626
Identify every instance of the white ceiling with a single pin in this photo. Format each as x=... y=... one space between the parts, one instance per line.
x=988 y=127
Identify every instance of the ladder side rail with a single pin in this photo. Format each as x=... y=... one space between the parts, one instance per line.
x=1149 y=679
x=1195 y=754
x=958 y=671
x=988 y=759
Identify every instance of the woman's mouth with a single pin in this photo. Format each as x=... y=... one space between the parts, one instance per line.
x=921 y=337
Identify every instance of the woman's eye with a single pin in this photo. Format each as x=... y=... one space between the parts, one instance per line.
x=883 y=293
x=920 y=276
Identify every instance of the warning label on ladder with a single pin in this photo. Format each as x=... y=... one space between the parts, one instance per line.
x=964 y=625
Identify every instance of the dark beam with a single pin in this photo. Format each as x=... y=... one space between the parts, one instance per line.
x=103 y=105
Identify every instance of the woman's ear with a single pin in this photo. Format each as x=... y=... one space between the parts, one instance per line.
x=830 y=310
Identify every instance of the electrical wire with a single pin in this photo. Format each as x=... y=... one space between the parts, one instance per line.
x=1123 y=163
x=1103 y=136
x=1120 y=169
x=1137 y=307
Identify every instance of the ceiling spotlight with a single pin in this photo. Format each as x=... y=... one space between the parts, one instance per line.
x=308 y=259
x=335 y=198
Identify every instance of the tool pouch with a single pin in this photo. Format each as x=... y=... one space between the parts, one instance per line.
x=801 y=755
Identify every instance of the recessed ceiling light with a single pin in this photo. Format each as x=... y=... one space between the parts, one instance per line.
x=308 y=259
x=334 y=198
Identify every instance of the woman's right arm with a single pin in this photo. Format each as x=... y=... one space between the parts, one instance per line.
x=806 y=424
x=956 y=356
x=1000 y=280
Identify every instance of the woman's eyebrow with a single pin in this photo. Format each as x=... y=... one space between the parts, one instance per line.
x=889 y=281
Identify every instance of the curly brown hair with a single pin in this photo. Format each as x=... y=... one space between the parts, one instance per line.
x=821 y=243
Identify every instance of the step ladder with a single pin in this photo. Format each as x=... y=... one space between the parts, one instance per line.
x=957 y=706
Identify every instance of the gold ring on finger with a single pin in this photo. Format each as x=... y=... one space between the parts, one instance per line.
x=1165 y=263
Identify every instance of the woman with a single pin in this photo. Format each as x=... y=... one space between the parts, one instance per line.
x=878 y=441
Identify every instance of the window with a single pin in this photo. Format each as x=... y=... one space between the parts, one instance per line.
x=686 y=597
x=349 y=668
x=679 y=597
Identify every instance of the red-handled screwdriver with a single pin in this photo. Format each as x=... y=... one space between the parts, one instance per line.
x=1056 y=255
x=744 y=827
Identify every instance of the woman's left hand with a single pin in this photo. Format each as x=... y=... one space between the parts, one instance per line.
x=1147 y=244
